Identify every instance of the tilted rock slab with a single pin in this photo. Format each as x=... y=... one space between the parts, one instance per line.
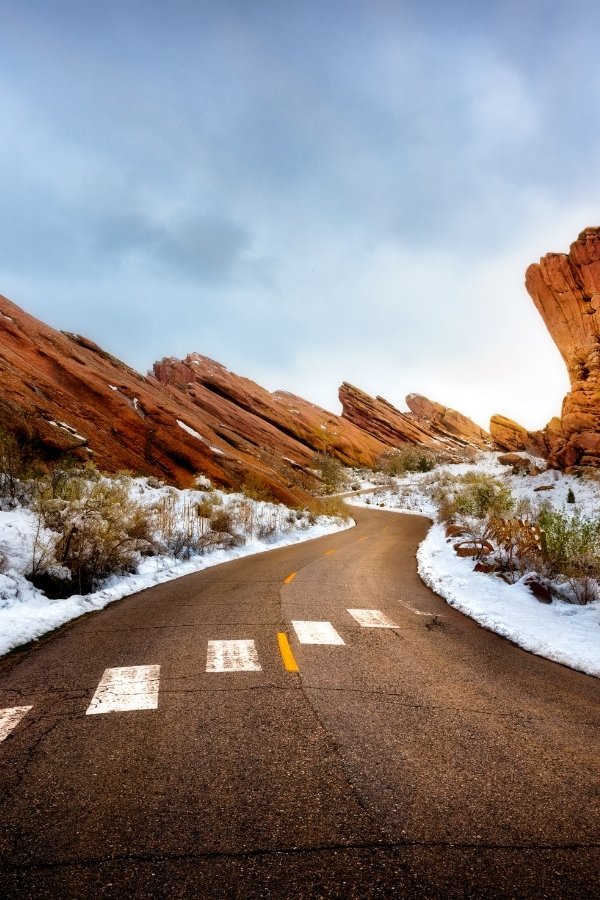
x=278 y=424
x=428 y=424
x=62 y=393
x=566 y=291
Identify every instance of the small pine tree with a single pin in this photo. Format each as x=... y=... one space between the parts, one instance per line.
x=570 y=496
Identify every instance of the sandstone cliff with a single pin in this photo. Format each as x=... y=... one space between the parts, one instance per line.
x=566 y=291
x=63 y=393
x=428 y=424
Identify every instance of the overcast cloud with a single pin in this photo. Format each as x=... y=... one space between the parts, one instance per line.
x=307 y=192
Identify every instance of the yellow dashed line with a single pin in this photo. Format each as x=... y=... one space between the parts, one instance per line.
x=365 y=538
x=286 y=652
x=289 y=577
x=329 y=552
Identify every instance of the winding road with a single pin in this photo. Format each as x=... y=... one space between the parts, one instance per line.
x=165 y=747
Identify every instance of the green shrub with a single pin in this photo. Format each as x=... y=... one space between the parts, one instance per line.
x=330 y=471
x=475 y=495
x=571 y=550
x=409 y=458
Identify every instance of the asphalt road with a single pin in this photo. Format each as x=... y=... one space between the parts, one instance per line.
x=430 y=759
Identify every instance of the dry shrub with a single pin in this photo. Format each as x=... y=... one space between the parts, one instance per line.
x=329 y=506
x=256 y=488
x=519 y=546
x=182 y=529
x=330 y=471
x=100 y=533
x=409 y=458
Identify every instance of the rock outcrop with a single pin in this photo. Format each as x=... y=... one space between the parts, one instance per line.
x=566 y=291
x=509 y=435
x=62 y=393
x=279 y=423
x=427 y=423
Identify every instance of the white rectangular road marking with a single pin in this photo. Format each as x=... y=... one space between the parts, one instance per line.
x=10 y=718
x=232 y=656
x=125 y=688
x=317 y=633
x=371 y=618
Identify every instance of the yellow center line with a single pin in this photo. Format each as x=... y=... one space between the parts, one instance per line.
x=286 y=652
x=365 y=538
x=289 y=577
x=329 y=552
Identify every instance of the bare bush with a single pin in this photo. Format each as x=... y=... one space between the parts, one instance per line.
x=12 y=466
x=409 y=458
x=103 y=532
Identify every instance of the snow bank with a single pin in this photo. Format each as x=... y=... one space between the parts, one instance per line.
x=26 y=613
x=559 y=631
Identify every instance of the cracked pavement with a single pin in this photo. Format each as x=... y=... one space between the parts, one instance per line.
x=434 y=759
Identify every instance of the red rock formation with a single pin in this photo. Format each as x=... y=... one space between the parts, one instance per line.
x=508 y=435
x=278 y=423
x=566 y=291
x=448 y=423
x=64 y=393
x=428 y=424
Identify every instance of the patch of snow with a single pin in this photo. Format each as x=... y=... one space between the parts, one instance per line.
x=217 y=451
x=560 y=631
x=68 y=428
x=190 y=431
x=113 y=387
x=10 y=318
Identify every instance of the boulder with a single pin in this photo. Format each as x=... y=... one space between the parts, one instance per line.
x=539 y=590
x=509 y=435
x=473 y=548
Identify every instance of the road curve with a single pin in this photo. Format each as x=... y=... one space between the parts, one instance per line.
x=428 y=759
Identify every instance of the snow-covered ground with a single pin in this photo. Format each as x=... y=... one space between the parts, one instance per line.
x=26 y=613
x=560 y=631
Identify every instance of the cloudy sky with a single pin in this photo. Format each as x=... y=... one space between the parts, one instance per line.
x=308 y=192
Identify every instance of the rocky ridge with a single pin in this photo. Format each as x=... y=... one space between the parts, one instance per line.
x=427 y=423
x=63 y=393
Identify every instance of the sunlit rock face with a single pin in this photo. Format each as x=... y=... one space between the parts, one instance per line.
x=509 y=435
x=566 y=291
x=276 y=422
x=61 y=393
x=427 y=424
